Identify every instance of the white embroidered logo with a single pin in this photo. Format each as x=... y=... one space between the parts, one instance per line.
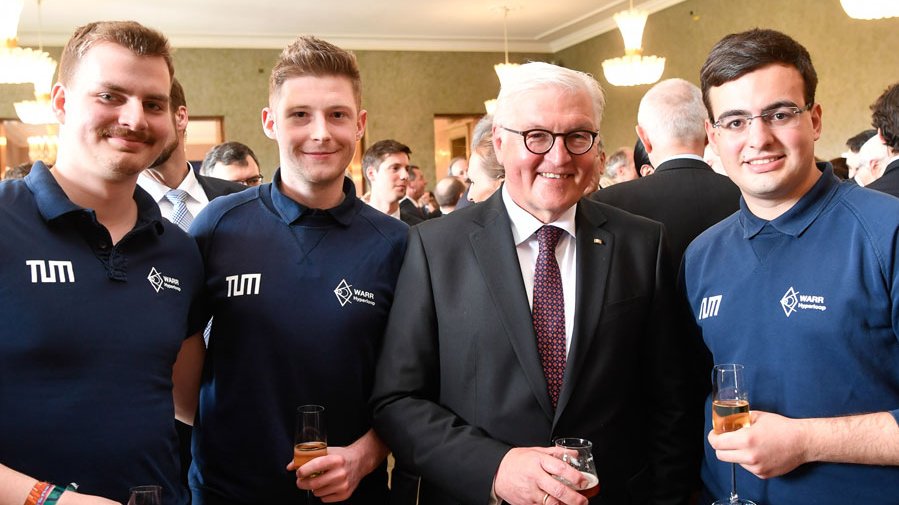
x=709 y=307
x=51 y=271
x=246 y=284
x=346 y=293
x=793 y=300
x=160 y=281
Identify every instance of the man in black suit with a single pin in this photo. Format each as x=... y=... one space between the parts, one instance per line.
x=415 y=189
x=684 y=193
x=171 y=173
x=885 y=118
x=501 y=338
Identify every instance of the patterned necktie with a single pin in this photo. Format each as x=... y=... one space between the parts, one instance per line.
x=548 y=311
x=180 y=215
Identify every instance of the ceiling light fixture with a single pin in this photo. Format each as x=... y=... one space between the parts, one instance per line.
x=871 y=9
x=17 y=64
x=38 y=111
x=502 y=69
x=633 y=68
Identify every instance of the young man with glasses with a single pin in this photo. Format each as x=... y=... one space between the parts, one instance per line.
x=771 y=288
x=532 y=315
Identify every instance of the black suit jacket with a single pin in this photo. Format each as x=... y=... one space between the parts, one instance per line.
x=889 y=181
x=459 y=380
x=410 y=208
x=684 y=194
x=215 y=187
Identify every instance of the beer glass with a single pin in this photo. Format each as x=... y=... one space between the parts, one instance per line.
x=145 y=495
x=579 y=454
x=311 y=440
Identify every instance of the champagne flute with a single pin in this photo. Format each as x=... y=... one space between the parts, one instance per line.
x=145 y=495
x=582 y=460
x=730 y=412
x=311 y=440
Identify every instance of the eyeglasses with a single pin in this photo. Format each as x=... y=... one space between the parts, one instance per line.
x=251 y=181
x=539 y=141
x=781 y=117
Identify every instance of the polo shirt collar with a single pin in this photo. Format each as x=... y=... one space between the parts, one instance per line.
x=291 y=211
x=53 y=203
x=796 y=220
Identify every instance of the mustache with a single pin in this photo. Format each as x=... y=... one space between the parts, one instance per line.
x=126 y=133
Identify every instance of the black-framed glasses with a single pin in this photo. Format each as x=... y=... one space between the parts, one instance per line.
x=540 y=141
x=251 y=181
x=780 y=117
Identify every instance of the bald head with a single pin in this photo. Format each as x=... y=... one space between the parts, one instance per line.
x=671 y=120
x=872 y=159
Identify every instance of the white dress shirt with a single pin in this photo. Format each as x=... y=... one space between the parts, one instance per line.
x=196 y=202
x=524 y=232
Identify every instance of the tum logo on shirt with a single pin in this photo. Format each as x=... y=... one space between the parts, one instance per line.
x=246 y=284
x=50 y=271
x=709 y=307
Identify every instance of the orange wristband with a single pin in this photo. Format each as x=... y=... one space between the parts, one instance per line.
x=38 y=491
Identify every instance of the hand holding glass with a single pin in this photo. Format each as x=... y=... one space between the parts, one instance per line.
x=730 y=412
x=146 y=495
x=581 y=458
x=311 y=440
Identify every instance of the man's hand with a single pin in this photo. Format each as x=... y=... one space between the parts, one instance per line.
x=527 y=475
x=772 y=446
x=334 y=477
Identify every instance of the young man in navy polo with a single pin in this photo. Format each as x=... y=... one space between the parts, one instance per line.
x=301 y=275
x=801 y=286
x=96 y=288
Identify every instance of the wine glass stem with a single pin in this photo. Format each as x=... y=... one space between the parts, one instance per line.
x=733 y=484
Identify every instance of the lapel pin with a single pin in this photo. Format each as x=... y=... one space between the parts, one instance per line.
x=598 y=241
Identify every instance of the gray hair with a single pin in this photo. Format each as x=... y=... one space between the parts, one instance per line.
x=673 y=111
x=538 y=75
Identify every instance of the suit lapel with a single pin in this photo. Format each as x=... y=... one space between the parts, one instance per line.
x=494 y=250
x=594 y=254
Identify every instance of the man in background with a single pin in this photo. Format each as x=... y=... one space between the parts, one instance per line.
x=684 y=193
x=885 y=119
x=180 y=192
x=386 y=166
x=448 y=193
x=232 y=161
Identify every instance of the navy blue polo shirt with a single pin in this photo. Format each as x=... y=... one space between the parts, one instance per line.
x=89 y=333
x=809 y=303
x=300 y=299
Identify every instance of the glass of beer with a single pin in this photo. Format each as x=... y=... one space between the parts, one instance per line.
x=145 y=495
x=311 y=440
x=730 y=412
x=579 y=454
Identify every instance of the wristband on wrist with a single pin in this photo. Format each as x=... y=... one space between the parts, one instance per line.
x=53 y=496
x=38 y=492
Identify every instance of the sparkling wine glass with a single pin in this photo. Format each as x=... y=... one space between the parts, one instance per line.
x=145 y=495
x=730 y=412
x=311 y=440
x=581 y=458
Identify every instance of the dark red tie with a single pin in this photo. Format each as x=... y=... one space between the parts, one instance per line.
x=548 y=311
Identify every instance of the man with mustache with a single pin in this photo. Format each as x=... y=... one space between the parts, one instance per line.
x=98 y=290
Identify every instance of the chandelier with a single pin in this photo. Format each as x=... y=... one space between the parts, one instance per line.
x=633 y=68
x=871 y=9
x=17 y=64
x=502 y=69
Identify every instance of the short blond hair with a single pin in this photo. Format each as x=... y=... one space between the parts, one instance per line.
x=131 y=35
x=311 y=56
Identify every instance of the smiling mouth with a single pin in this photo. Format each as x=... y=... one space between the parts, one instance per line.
x=554 y=176
x=763 y=161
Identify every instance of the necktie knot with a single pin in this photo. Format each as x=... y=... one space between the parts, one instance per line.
x=181 y=215
x=548 y=236
x=176 y=196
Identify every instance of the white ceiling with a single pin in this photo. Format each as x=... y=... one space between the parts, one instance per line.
x=423 y=25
